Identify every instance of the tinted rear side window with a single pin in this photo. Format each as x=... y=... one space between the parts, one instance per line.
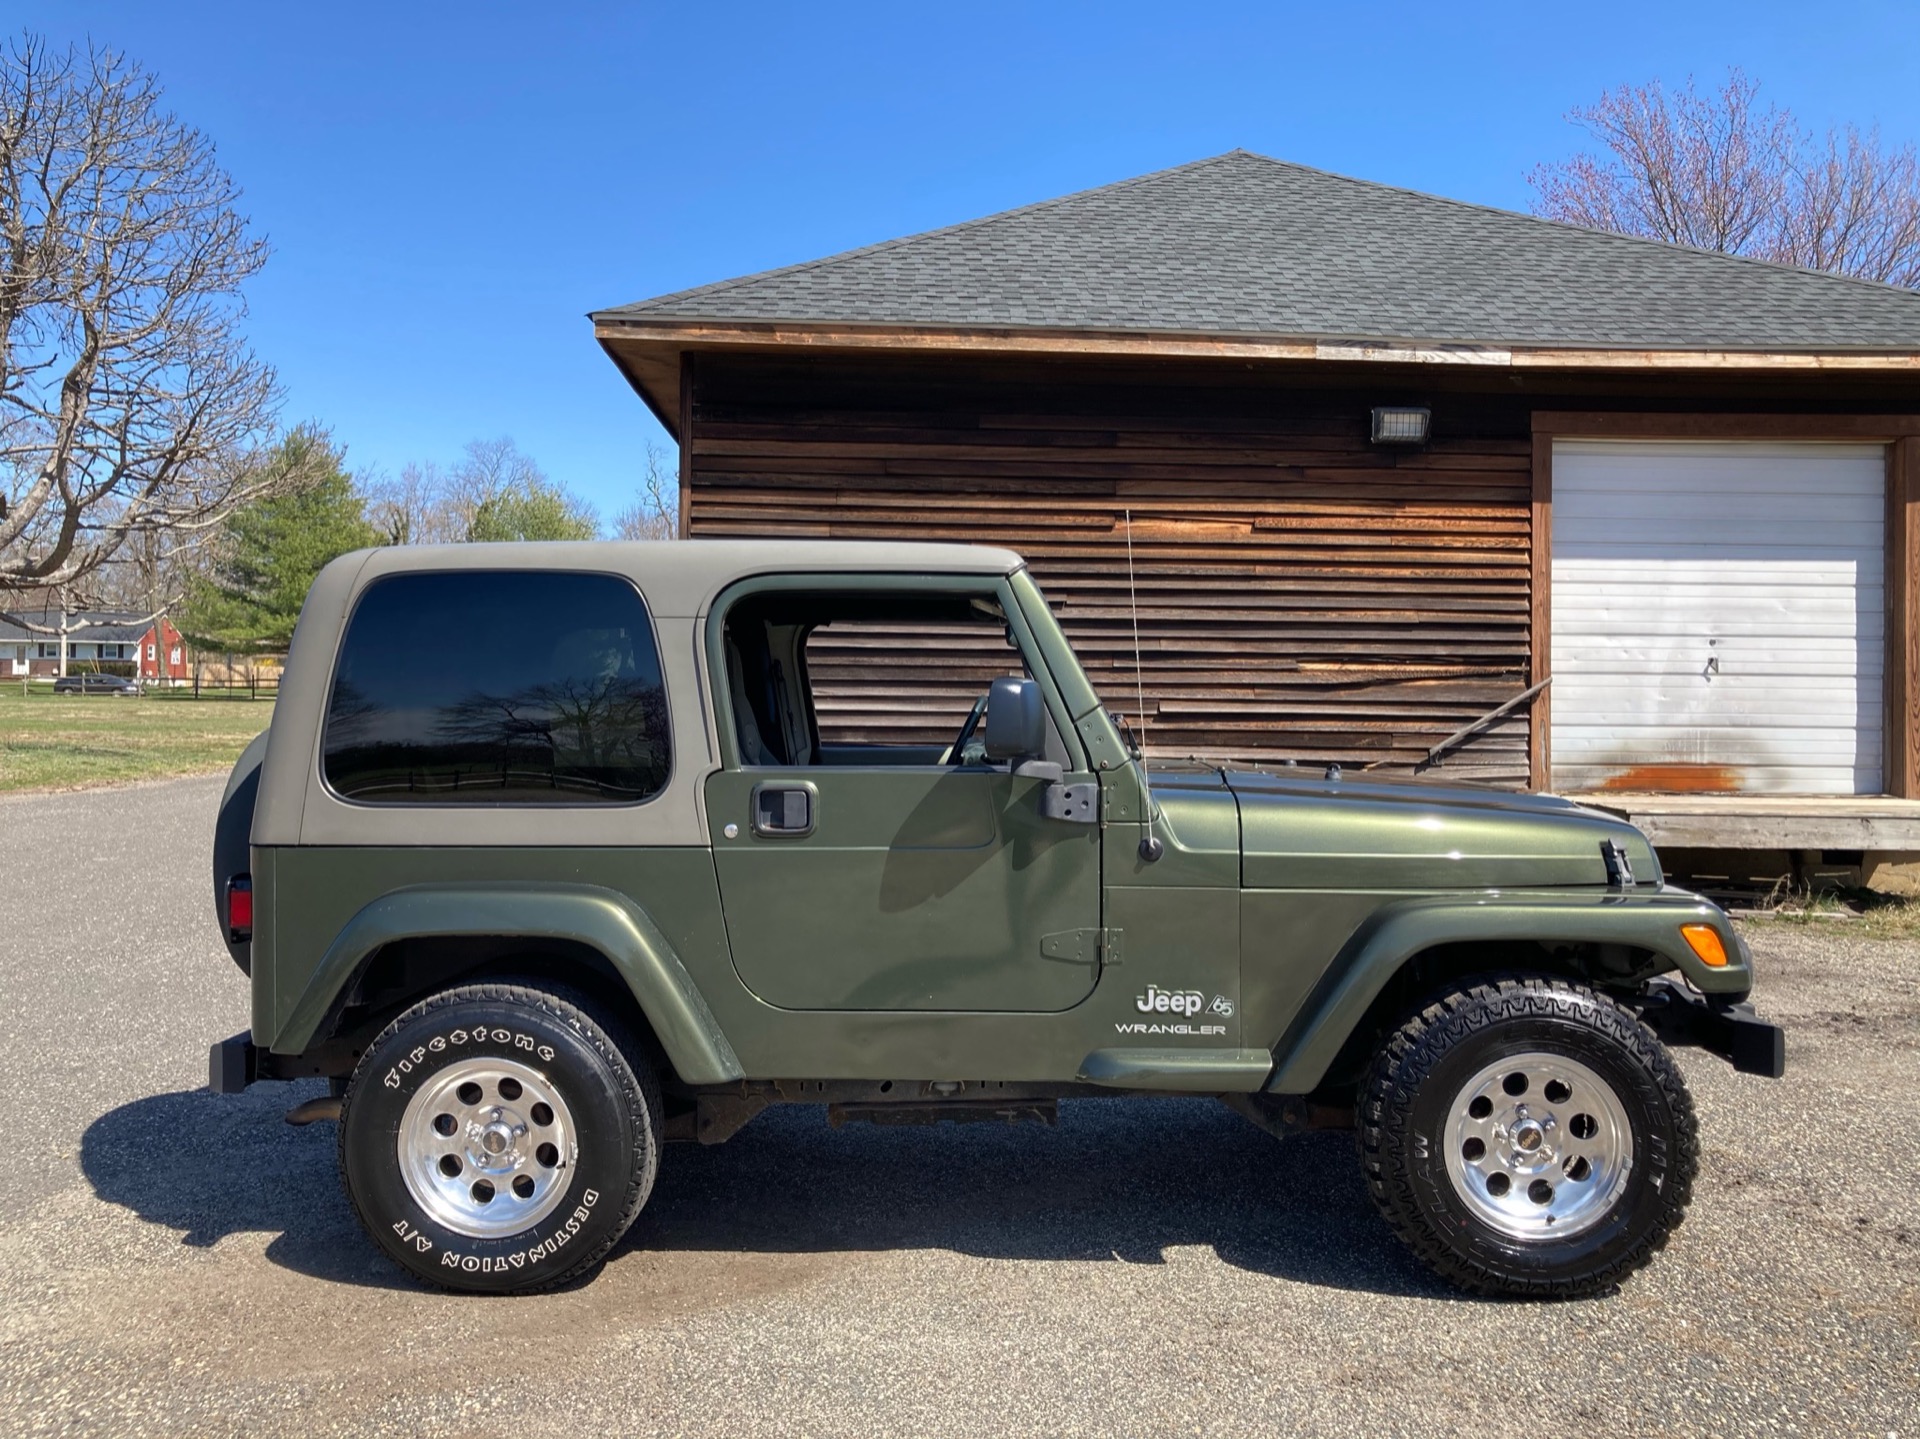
x=498 y=687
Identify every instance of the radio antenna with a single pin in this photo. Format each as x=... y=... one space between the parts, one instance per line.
x=1151 y=847
x=1139 y=680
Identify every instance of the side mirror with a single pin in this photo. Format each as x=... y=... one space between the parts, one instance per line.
x=1016 y=721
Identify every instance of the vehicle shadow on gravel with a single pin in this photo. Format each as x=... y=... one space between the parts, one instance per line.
x=211 y=1165
x=1116 y=1181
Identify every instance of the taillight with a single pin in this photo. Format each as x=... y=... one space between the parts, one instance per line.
x=240 y=908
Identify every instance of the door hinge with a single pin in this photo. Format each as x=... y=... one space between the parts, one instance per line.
x=1082 y=946
x=1074 y=803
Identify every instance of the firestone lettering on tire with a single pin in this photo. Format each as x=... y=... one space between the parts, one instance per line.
x=511 y=1039
x=551 y=1245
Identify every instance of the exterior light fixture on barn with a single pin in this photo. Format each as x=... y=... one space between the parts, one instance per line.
x=1658 y=544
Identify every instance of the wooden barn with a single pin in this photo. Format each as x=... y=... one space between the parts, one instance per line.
x=1394 y=481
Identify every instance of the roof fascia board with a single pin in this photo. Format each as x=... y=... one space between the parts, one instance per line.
x=1716 y=359
x=702 y=334
x=1000 y=341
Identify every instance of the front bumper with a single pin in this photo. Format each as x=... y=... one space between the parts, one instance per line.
x=1720 y=1026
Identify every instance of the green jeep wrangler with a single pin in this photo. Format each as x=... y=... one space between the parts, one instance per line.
x=557 y=853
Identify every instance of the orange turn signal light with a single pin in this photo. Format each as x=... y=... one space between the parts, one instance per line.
x=1704 y=940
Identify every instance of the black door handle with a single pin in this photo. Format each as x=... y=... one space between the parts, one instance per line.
x=785 y=810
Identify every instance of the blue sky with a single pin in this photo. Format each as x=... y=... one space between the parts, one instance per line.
x=448 y=189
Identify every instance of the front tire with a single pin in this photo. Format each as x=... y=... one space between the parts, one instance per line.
x=497 y=1138
x=1529 y=1137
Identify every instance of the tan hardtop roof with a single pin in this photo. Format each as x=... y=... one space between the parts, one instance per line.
x=680 y=576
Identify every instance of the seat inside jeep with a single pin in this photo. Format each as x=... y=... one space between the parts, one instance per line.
x=862 y=678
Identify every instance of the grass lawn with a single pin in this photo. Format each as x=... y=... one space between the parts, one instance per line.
x=77 y=742
x=1847 y=913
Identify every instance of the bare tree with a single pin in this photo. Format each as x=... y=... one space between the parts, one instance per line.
x=494 y=491
x=655 y=515
x=1858 y=210
x=1723 y=171
x=129 y=404
x=486 y=470
x=414 y=508
x=146 y=576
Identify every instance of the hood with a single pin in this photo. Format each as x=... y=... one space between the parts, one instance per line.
x=1315 y=833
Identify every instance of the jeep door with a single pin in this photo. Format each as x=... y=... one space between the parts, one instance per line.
x=864 y=862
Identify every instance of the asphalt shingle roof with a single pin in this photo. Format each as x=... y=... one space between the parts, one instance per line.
x=1245 y=245
x=113 y=626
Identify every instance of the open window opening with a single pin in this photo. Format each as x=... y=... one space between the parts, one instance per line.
x=867 y=678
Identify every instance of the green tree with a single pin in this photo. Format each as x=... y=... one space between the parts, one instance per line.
x=536 y=509
x=251 y=594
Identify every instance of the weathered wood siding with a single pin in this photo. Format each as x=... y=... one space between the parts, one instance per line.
x=1302 y=594
x=879 y=683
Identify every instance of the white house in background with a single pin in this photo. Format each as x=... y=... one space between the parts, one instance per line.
x=119 y=641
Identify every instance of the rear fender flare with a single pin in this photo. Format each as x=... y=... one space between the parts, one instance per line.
x=601 y=919
x=1398 y=932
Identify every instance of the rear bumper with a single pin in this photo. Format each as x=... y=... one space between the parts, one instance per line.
x=236 y=1062
x=233 y=1064
x=1731 y=1030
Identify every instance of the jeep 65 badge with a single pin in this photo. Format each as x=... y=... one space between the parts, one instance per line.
x=1184 y=1002
x=561 y=855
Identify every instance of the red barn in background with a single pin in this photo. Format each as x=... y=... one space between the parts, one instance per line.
x=162 y=656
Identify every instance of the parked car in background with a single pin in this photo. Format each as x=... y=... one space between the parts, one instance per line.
x=96 y=685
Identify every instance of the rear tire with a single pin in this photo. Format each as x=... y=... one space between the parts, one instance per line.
x=497 y=1138
x=1529 y=1137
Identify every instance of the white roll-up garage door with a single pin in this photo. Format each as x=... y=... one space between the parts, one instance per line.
x=1717 y=616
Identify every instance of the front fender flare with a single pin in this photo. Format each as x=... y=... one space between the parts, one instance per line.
x=1397 y=932
x=602 y=919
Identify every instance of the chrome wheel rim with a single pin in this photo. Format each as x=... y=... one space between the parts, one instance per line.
x=487 y=1146
x=1538 y=1146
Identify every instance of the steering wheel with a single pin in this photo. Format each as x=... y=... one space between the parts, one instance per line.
x=956 y=752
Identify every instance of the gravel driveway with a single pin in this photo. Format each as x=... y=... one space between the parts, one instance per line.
x=176 y=1262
